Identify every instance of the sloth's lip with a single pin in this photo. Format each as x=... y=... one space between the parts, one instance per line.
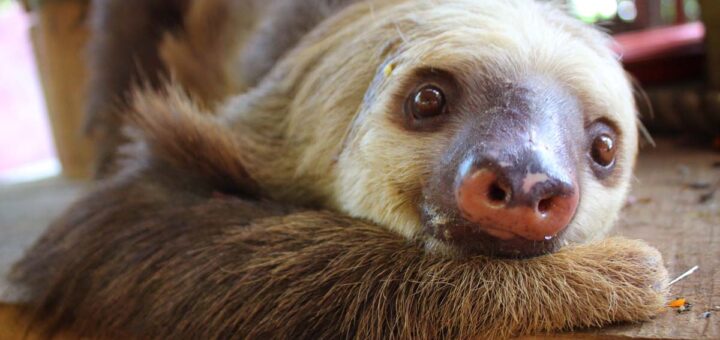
x=507 y=234
x=484 y=240
x=502 y=234
x=471 y=238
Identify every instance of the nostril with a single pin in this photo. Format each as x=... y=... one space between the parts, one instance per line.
x=545 y=205
x=497 y=204
x=497 y=194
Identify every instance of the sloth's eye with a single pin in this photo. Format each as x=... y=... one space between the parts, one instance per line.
x=602 y=148
x=429 y=101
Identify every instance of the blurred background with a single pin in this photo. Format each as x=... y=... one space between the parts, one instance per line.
x=26 y=146
x=670 y=47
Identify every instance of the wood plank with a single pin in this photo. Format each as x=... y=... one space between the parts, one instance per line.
x=13 y=326
x=59 y=35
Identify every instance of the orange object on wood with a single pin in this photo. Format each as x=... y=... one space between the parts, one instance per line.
x=677 y=303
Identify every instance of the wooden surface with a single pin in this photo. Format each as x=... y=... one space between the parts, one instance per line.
x=13 y=326
x=59 y=34
x=666 y=212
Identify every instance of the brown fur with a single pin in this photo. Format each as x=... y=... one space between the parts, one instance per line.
x=214 y=48
x=228 y=46
x=122 y=52
x=184 y=139
x=200 y=57
x=154 y=253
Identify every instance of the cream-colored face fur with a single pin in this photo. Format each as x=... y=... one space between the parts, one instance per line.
x=337 y=95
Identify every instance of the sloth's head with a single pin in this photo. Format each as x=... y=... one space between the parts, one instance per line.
x=483 y=127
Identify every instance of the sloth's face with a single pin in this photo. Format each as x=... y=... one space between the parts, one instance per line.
x=513 y=158
x=497 y=128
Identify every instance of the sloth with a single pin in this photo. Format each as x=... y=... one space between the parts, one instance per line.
x=461 y=124
x=369 y=169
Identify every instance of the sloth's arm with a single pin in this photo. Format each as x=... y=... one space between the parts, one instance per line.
x=149 y=254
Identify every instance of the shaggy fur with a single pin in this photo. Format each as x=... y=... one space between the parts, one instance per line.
x=214 y=48
x=228 y=46
x=156 y=252
x=122 y=52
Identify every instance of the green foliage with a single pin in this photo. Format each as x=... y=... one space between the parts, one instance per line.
x=4 y=4
x=594 y=10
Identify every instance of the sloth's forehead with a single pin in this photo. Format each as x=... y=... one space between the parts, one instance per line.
x=461 y=50
x=518 y=31
x=508 y=16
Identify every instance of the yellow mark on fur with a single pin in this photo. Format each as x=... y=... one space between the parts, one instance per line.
x=388 y=70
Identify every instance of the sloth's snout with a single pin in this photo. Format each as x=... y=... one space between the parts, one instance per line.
x=507 y=184
x=525 y=199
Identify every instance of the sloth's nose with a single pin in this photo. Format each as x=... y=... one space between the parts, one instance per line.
x=527 y=200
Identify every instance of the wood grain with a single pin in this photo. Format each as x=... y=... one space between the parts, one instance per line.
x=13 y=326
x=59 y=35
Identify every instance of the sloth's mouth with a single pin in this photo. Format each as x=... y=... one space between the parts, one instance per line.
x=469 y=240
